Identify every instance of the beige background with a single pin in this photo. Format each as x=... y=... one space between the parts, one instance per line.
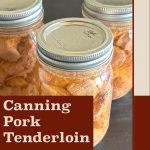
x=142 y=51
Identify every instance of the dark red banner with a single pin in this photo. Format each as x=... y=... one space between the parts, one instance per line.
x=141 y=123
x=46 y=123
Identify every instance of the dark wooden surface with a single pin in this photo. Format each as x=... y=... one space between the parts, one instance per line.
x=119 y=136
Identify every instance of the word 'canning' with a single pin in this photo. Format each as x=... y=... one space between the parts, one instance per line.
x=10 y=105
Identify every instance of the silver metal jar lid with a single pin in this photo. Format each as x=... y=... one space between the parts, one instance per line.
x=75 y=44
x=19 y=13
x=109 y=10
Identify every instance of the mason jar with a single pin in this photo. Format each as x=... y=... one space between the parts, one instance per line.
x=117 y=15
x=74 y=60
x=19 y=22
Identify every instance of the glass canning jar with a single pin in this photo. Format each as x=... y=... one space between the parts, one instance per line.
x=19 y=22
x=74 y=60
x=117 y=15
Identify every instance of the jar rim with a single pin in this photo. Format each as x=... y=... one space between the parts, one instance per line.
x=81 y=56
x=21 y=15
x=108 y=12
x=113 y=25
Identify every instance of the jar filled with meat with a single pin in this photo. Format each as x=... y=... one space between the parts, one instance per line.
x=74 y=60
x=117 y=15
x=19 y=22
